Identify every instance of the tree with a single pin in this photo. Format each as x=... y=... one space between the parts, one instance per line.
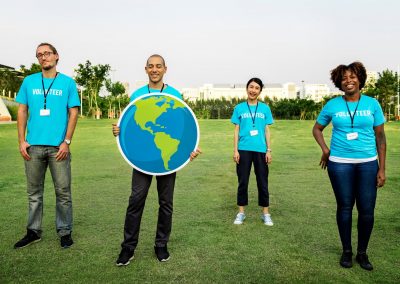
x=92 y=78
x=35 y=68
x=10 y=81
x=386 y=90
x=116 y=90
x=370 y=88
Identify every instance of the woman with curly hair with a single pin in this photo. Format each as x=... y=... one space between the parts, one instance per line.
x=356 y=157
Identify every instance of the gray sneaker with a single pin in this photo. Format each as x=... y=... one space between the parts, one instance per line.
x=267 y=219
x=239 y=218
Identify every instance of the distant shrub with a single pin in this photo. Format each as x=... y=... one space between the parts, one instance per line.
x=13 y=112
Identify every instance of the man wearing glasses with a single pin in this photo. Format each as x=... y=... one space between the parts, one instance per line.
x=48 y=112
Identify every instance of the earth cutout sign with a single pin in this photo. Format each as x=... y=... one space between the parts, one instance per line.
x=158 y=132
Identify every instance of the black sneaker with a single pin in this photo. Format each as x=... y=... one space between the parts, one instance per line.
x=362 y=259
x=346 y=260
x=125 y=257
x=30 y=238
x=66 y=241
x=162 y=253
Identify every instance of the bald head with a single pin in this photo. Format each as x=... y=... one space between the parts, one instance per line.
x=158 y=56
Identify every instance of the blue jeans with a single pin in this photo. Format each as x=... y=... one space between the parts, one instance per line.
x=354 y=183
x=35 y=170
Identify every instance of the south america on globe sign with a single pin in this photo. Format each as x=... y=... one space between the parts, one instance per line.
x=158 y=132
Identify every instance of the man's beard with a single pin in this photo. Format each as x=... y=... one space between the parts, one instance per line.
x=47 y=68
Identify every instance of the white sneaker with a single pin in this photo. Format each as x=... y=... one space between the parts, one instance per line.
x=267 y=219
x=239 y=219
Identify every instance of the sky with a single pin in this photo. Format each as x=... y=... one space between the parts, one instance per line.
x=206 y=41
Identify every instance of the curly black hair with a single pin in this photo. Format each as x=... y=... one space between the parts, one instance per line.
x=356 y=67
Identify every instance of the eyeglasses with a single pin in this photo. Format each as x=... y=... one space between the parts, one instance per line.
x=44 y=54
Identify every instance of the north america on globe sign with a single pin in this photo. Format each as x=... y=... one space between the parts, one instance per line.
x=157 y=133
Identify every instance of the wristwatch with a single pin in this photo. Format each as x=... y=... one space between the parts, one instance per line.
x=67 y=141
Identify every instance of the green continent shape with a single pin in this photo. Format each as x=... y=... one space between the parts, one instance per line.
x=177 y=104
x=167 y=145
x=147 y=110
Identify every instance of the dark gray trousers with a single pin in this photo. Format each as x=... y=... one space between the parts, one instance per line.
x=140 y=187
x=243 y=172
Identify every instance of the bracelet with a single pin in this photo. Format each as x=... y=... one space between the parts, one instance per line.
x=269 y=150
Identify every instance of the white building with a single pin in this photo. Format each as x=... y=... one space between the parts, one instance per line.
x=289 y=91
x=315 y=92
x=217 y=91
x=210 y=92
x=273 y=91
x=191 y=94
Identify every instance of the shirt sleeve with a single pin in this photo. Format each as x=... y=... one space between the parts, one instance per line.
x=137 y=93
x=235 y=119
x=379 y=117
x=325 y=116
x=73 y=97
x=268 y=116
x=22 y=96
x=175 y=93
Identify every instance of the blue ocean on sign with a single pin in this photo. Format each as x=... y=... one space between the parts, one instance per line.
x=158 y=133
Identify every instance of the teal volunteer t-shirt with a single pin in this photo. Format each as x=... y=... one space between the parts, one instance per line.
x=146 y=90
x=243 y=116
x=49 y=129
x=368 y=115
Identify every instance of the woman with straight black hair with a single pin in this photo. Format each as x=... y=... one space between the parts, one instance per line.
x=252 y=145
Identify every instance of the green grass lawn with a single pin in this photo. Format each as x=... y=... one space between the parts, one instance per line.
x=302 y=246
